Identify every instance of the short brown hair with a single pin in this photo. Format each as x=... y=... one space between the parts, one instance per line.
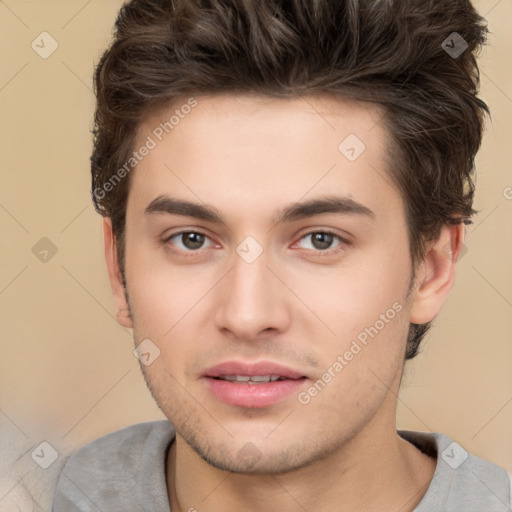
x=394 y=53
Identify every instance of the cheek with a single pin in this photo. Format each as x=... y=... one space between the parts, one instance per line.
x=359 y=367
x=169 y=307
x=365 y=305
x=371 y=292
x=160 y=294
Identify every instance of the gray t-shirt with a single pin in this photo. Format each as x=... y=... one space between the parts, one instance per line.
x=125 y=472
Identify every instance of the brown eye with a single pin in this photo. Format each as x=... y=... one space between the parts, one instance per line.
x=192 y=240
x=188 y=241
x=321 y=240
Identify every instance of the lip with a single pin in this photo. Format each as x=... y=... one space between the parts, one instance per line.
x=252 y=369
x=247 y=395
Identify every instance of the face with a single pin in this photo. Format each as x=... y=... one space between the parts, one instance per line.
x=262 y=243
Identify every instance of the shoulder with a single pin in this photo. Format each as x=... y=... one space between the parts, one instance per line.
x=115 y=469
x=120 y=450
x=462 y=481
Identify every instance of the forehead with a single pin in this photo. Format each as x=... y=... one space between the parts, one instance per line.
x=240 y=150
x=263 y=119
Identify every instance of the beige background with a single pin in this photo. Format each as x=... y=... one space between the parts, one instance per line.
x=67 y=372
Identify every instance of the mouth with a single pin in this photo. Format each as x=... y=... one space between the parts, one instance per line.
x=251 y=379
x=252 y=385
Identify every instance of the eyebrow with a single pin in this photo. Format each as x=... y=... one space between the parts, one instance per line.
x=293 y=212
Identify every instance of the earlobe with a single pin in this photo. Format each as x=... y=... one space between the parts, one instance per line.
x=123 y=315
x=435 y=275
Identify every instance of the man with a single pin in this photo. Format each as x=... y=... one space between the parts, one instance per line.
x=285 y=187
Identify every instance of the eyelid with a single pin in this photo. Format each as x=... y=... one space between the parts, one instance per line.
x=182 y=231
x=346 y=237
x=332 y=250
x=343 y=240
x=167 y=238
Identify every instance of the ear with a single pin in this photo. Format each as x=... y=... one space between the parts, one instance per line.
x=435 y=276
x=116 y=278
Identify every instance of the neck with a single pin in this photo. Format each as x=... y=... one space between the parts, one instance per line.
x=374 y=471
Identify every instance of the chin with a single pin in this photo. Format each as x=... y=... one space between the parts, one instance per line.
x=251 y=459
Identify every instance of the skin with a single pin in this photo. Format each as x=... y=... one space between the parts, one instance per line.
x=299 y=304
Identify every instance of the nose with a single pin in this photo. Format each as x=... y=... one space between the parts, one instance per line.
x=252 y=301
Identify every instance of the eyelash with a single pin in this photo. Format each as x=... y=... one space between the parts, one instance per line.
x=319 y=253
